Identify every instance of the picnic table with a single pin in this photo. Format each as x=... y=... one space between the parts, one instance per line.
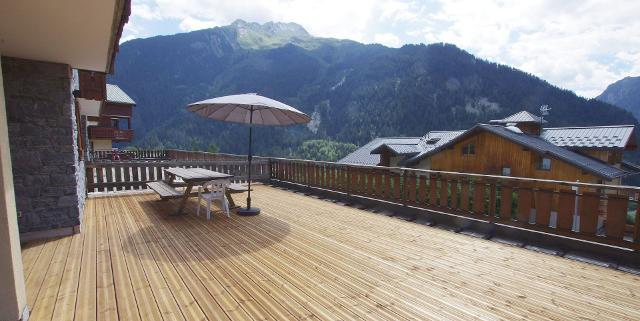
x=190 y=177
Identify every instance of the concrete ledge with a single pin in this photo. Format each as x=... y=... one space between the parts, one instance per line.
x=585 y=251
x=41 y=235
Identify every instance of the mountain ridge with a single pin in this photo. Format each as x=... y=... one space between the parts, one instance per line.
x=624 y=93
x=354 y=92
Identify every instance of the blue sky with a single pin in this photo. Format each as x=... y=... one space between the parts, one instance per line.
x=579 y=45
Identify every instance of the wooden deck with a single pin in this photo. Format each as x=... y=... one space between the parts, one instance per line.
x=302 y=258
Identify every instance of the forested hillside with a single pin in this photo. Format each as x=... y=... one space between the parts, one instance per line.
x=354 y=92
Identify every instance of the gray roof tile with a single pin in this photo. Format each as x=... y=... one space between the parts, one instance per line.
x=593 y=137
x=363 y=156
x=117 y=95
x=520 y=117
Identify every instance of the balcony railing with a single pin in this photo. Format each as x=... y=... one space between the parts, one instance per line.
x=591 y=212
x=604 y=214
x=134 y=175
x=124 y=135
x=128 y=155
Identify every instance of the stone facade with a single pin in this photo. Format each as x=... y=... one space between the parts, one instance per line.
x=48 y=176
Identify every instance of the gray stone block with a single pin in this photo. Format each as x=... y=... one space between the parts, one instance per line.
x=41 y=128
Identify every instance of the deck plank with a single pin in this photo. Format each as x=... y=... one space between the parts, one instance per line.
x=302 y=258
x=127 y=304
x=44 y=305
x=106 y=292
x=67 y=295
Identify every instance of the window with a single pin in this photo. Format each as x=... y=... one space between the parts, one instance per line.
x=469 y=149
x=506 y=171
x=120 y=123
x=544 y=164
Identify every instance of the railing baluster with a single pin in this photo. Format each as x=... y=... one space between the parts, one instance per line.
x=492 y=199
x=100 y=178
x=411 y=187
x=444 y=192
x=118 y=180
x=134 y=178
x=89 y=178
x=589 y=213
x=422 y=190
x=464 y=195
x=543 y=207
x=506 y=202
x=453 y=183
x=525 y=198
x=616 y=216
x=478 y=197
x=566 y=208
x=433 y=186
x=396 y=186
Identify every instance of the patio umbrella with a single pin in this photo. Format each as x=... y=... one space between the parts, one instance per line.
x=251 y=109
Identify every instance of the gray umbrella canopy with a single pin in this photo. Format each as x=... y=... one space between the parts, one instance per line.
x=251 y=109
x=237 y=109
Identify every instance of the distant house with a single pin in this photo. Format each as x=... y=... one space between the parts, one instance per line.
x=107 y=121
x=516 y=145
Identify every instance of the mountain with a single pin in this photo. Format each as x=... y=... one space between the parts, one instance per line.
x=354 y=92
x=624 y=93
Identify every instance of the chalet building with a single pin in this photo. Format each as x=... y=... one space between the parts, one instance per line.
x=108 y=121
x=517 y=145
x=46 y=47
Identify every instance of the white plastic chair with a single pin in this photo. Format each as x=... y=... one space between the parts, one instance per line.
x=216 y=192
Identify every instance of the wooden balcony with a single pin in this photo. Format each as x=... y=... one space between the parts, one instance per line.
x=302 y=258
x=122 y=135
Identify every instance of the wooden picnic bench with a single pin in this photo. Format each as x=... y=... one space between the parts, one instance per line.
x=191 y=177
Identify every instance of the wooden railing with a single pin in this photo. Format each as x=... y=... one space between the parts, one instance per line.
x=127 y=155
x=110 y=133
x=133 y=175
x=591 y=212
x=176 y=154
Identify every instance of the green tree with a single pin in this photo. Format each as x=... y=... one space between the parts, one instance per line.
x=324 y=150
x=213 y=148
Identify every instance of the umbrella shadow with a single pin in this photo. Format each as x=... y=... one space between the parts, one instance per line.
x=188 y=238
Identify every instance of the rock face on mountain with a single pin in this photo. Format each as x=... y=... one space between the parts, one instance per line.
x=354 y=92
x=624 y=93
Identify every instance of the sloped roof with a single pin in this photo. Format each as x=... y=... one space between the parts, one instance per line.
x=541 y=146
x=397 y=149
x=590 y=137
x=363 y=156
x=519 y=117
x=117 y=95
x=433 y=140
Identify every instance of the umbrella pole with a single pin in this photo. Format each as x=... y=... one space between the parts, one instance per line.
x=249 y=210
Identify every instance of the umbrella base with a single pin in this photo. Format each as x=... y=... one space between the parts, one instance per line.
x=243 y=211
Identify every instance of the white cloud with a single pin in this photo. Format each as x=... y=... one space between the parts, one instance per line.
x=387 y=39
x=572 y=44
x=582 y=45
x=191 y=24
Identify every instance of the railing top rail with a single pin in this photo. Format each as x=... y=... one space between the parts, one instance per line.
x=493 y=177
x=170 y=162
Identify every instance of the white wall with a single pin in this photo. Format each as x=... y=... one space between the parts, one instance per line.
x=13 y=300
x=102 y=144
x=89 y=107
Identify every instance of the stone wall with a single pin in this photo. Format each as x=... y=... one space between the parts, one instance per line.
x=42 y=132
